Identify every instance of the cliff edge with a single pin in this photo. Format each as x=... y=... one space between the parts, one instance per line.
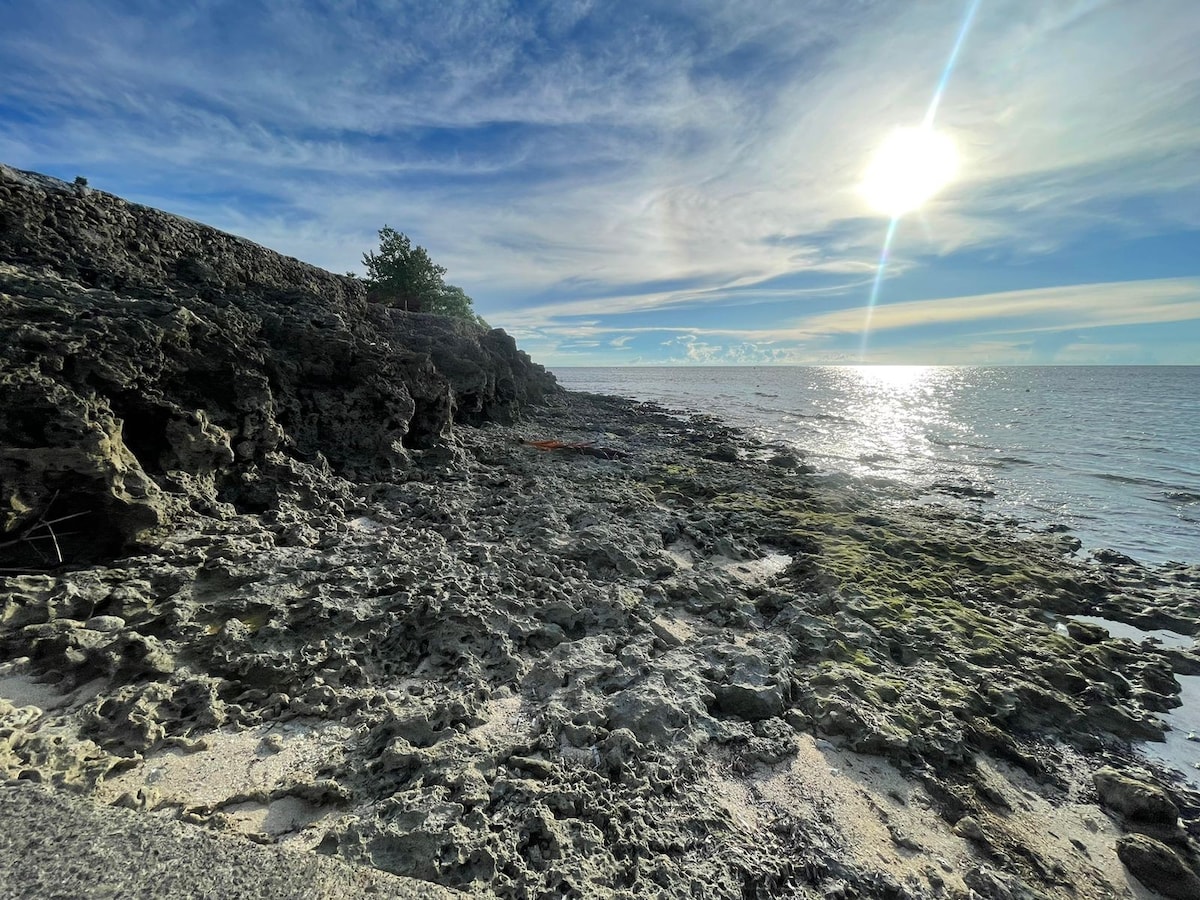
x=149 y=363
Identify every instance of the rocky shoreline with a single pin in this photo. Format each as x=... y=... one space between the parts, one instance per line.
x=327 y=596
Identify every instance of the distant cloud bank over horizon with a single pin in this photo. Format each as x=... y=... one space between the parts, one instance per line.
x=665 y=183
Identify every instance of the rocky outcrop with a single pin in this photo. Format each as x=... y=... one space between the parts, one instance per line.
x=518 y=673
x=489 y=376
x=1158 y=867
x=1141 y=805
x=151 y=363
x=100 y=241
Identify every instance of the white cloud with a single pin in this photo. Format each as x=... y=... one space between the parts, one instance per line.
x=1037 y=309
x=998 y=328
x=646 y=156
x=743 y=292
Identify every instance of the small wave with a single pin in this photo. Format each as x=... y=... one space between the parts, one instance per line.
x=1181 y=496
x=1015 y=460
x=782 y=413
x=876 y=458
x=956 y=445
x=1129 y=479
x=964 y=490
x=827 y=417
x=764 y=394
x=1000 y=462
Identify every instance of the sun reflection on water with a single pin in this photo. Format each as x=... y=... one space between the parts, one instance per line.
x=898 y=407
x=901 y=379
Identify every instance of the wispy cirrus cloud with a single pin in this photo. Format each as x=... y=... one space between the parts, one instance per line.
x=627 y=163
x=1037 y=309
x=994 y=327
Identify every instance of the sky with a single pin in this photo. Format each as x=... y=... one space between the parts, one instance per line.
x=653 y=183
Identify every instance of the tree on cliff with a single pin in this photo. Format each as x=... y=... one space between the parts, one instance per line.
x=402 y=275
x=453 y=301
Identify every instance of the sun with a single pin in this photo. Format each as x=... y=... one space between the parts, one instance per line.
x=910 y=167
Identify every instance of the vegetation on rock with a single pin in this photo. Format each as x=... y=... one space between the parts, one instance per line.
x=404 y=276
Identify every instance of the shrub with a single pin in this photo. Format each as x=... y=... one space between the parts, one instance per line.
x=401 y=274
x=452 y=300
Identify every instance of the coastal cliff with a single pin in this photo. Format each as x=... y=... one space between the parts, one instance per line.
x=152 y=363
x=286 y=566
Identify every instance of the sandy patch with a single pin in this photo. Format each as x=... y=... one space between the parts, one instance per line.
x=753 y=571
x=683 y=553
x=246 y=775
x=278 y=819
x=882 y=821
x=20 y=688
x=504 y=721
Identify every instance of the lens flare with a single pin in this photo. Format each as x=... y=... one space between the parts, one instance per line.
x=893 y=197
x=911 y=167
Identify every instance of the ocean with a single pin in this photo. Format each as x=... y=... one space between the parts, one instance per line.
x=1110 y=454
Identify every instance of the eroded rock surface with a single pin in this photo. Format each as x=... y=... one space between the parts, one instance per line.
x=150 y=363
x=551 y=673
x=676 y=669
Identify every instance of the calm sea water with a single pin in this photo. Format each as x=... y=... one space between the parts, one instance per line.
x=1110 y=453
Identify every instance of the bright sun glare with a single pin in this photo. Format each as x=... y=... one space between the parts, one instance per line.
x=912 y=165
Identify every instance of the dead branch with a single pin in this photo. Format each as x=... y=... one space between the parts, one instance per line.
x=30 y=534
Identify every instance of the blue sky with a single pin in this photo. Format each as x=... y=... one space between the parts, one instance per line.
x=652 y=183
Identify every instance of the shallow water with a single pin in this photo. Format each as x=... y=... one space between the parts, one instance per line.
x=1137 y=635
x=1180 y=750
x=1111 y=454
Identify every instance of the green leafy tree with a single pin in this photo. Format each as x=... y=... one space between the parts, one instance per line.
x=401 y=274
x=453 y=301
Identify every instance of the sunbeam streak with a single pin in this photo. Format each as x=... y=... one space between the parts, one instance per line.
x=897 y=204
x=950 y=63
x=879 y=270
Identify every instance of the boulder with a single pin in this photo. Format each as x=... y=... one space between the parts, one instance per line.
x=752 y=702
x=1158 y=867
x=1138 y=802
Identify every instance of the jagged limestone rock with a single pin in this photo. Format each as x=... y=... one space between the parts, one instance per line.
x=1158 y=867
x=150 y=363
